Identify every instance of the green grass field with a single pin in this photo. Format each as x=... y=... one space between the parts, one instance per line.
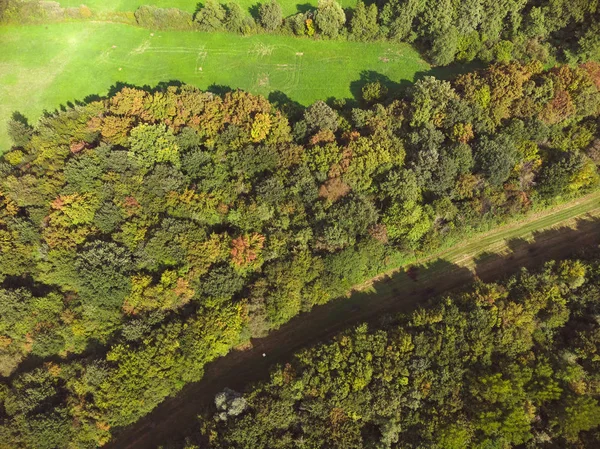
x=289 y=7
x=43 y=67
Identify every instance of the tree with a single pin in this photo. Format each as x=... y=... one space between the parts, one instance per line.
x=330 y=18
x=496 y=158
x=237 y=21
x=19 y=129
x=445 y=46
x=229 y=403
x=374 y=92
x=211 y=17
x=363 y=25
x=589 y=43
x=430 y=99
x=270 y=15
x=152 y=144
x=579 y=413
x=319 y=116
x=347 y=220
x=101 y=275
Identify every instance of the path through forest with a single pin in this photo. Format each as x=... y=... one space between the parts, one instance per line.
x=552 y=234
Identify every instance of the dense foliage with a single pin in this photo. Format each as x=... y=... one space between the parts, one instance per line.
x=457 y=31
x=27 y=11
x=512 y=364
x=492 y=31
x=143 y=235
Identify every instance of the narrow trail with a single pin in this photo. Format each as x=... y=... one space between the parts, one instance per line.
x=556 y=233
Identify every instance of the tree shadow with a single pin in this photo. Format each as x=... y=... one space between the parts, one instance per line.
x=254 y=11
x=401 y=88
x=450 y=71
x=197 y=9
x=551 y=244
x=219 y=89
x=398 y=293
x=304 y=7
x=291 y=108
x=120 y=85
x=370 y=76
x=18 y=117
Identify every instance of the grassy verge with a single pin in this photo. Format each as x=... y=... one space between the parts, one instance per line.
x=42 y=67
x=289 y=7
x=500 y=241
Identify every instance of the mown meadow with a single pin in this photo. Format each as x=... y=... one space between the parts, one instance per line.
x=42 y=67
x=289 y=7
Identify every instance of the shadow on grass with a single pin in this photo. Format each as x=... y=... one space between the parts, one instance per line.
x=401 y=88
x=303 y=8
x=291 y=108
x=112 y=90
x=396 y=89
x=550 y=244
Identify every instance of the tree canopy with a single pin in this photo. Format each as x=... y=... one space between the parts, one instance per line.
x=499 y=365
x=147 y=233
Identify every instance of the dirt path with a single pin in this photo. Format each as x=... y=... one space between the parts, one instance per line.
x=553 y=234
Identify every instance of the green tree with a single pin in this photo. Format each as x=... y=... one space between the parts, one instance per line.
x=363 y=25
x=579 y=413
x=319 y=116
x=330 y=18
x=373 y=92
x=496 y=158
x=211 y=17
x=237 y=21
x=270 y=15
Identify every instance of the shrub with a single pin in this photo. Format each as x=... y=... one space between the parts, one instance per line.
x=330 y=18
x=375 y=91
x=297 y=24
x=163 y=18
x=237 y=21
x=270 y=15
x=211 y=17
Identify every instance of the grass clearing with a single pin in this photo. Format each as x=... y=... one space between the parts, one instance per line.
x=45 y=66
x=289 y=7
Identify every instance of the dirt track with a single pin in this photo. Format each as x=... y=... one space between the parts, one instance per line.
x=567 y=230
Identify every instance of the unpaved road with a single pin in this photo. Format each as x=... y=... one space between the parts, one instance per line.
x=553 y=234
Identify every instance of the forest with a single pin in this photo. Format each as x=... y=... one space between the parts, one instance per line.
x=446 y=30
x=498 y=365
x=145 y=234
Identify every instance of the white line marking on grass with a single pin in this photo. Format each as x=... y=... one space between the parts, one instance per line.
x=141 y=48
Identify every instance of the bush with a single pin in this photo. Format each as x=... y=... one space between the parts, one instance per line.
x=3 y=6
x=330 y=18
x=270 y=15
x=375 y=91
x=297 y=24
x=211 y=17
x=163 y=18
x=237 y=21
x=32 y=12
